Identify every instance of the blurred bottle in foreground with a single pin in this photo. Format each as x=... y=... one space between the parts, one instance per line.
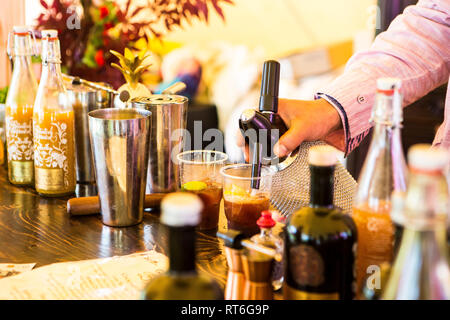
x=375 y=282
x=181 y=213
x=267 y=238
x=384 y=171
x=53 y=126
x=320 y=240
x=421 y=270
x=19 y=109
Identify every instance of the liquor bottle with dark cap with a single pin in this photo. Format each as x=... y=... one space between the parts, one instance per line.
x=181 y=213
x=320 y=239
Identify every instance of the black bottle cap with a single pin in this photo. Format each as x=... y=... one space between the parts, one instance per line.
x=231 y=238
x=268 y=100
x=76 y=81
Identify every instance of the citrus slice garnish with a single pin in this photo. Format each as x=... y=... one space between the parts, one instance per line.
x=236 y=191
x=194 y=186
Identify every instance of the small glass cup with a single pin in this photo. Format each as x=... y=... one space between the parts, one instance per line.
x=200 y=174
x=243 y=205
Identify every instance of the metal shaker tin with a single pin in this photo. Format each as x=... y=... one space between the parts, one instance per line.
x=169 y=114
x=83 y=100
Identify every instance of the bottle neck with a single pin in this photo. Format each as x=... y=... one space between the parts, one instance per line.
x=322 y=186
x=22 y=46
x=385 y=167
x=386 y=147
x=387 y=116
x=21 y=53
x=265 y=233
x=426 y=203
x=23 y=84
x=51 y=57
x=388 y=109
x=51 y=78
x=181 y=249
x=22 y=68
x=52 y=70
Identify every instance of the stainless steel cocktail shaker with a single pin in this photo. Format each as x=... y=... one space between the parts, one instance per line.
x=83 y=100
x=120 y=141
x=166 y=141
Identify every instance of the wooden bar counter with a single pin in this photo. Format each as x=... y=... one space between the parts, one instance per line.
x=39 y=230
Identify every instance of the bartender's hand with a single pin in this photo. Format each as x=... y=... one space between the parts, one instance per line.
x=307 y=121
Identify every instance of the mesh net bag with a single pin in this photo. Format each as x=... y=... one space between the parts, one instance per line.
x=290 y=186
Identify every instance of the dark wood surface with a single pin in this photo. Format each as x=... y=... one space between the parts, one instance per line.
x=38 y=230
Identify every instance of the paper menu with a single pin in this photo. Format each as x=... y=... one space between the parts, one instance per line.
x=121 y=278
x=11 y=269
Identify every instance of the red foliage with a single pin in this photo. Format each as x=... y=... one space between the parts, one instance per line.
x=160 y=17
x=99 y=58
x=103 y=12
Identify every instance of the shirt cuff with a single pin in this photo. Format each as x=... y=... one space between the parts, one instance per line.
x=342 y=114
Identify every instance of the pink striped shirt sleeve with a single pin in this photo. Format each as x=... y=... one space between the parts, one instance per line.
x=415 y=48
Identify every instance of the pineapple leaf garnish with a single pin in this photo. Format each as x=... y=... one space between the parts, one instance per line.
x=131 y=65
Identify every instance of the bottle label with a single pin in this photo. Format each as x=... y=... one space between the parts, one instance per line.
x=306 y=265
x=51 y=152
x=22 y=171
x=293 y=294
x=19 y=135
x=49 y=179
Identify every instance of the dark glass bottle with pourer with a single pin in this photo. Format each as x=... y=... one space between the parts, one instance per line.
x=262 y=128
x=320 y=240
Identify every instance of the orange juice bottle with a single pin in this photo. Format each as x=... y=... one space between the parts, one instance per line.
x=53 y=125
x=384 y=171
x=19 y=110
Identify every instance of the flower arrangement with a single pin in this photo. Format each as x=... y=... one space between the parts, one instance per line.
x=106 y=26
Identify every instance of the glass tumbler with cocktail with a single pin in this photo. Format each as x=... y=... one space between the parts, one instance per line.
x=243 y=204
x=200 y=174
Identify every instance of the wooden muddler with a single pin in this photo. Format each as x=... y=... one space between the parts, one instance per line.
x=90 y=205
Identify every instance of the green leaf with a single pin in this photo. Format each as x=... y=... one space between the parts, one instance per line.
x=88 y=61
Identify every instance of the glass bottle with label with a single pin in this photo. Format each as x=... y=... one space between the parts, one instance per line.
x=270 y=240
x=181 y=213
x=19 y=109
x=320 y=239
x=384 y=171
x=53 y=126
x=421 y=268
